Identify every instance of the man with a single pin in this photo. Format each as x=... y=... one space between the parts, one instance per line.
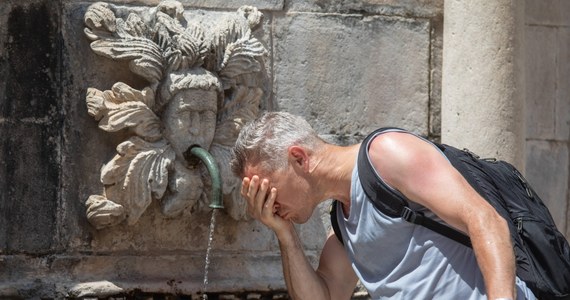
x=288 y=170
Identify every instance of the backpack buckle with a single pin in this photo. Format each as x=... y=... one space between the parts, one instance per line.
x=409 y=215
x=412 y=216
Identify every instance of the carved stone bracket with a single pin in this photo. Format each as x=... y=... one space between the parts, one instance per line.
x=203 y=86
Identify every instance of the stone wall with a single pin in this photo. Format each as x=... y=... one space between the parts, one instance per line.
x=347 y=66
x=548 y=105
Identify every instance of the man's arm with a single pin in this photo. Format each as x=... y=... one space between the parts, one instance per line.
x=336 y=270
x=334 y=278
x=423 y=174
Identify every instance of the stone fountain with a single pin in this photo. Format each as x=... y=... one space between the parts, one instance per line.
x=202 y=78
x=201 y=89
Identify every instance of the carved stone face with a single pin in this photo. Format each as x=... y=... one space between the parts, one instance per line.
x=188 y=66
x=190 y=119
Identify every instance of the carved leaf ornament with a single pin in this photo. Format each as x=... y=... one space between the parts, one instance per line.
x=192 y=70
x=138 y=159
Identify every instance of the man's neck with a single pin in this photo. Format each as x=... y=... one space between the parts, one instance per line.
x=332 y=171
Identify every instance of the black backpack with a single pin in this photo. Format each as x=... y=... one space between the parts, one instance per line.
x=541 y=251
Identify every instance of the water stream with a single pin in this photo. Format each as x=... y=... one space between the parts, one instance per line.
x=208 y=250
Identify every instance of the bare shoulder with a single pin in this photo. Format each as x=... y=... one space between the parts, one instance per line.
x=395 y=154
x=395 y=141
x=395 y=145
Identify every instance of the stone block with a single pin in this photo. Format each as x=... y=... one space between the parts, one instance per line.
x=4 y=16
x=3 y=219
x=547 y=172
x=29 y=184
x=543 y=12
x=29 y=62
x=419 y=8
x=540 y=82
x=87 y=148
x=436 y=50
x=564 y=11
x=563 y=85
x=224 y=4
x=215 y=4
x=59 y=277
x=30 y=118
x=95 y=289
x=348 y=74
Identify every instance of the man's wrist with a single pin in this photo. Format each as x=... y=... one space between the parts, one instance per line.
x=285 y=232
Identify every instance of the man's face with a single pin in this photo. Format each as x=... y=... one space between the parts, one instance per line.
x=293 y=200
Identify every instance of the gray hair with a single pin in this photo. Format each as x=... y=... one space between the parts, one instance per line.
x=265 y=141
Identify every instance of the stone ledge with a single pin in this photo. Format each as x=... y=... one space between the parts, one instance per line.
x=7 y=292
x=58 y=276
x=412 y=8
x=216 y=4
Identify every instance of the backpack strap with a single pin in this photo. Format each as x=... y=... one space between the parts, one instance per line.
x=334 y=220
x=390 y=201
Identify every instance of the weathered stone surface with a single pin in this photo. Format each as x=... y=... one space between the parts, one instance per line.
x=421 y=8
x=29 y=187
x=160 y=247
x=547 y=171
x=544 y=12
x=202 y=85
x=562 y=129
x=548 y=104
x=483 y=78
x=30 y=121
x=436 y=50
x=547 y=91
x=172 y=273
x=540 y=82
x=85 y=149
x=9 y=292
x=95 y=289
x=216 y=4
x=172 y=250
x=567 y=234
x=30 y=62
x=348 y=74
x=87 y=145
x=564 y=9
x=261 y=4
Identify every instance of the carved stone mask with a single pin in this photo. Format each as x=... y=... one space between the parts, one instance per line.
x=203 y=82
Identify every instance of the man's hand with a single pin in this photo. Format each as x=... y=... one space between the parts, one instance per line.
x=261 y=203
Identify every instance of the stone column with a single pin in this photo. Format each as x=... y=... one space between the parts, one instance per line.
x=483 y=78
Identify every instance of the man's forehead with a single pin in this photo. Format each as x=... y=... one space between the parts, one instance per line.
x=257 y=169
x=251 y=170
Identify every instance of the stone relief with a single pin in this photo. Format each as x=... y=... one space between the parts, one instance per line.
x=204 y=82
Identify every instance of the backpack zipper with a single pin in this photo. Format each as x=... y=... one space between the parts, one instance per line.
x=519 y=222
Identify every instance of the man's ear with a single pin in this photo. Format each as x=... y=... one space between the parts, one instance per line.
x=299 y=157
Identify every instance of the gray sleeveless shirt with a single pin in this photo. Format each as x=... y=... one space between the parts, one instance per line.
x=399 y=260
